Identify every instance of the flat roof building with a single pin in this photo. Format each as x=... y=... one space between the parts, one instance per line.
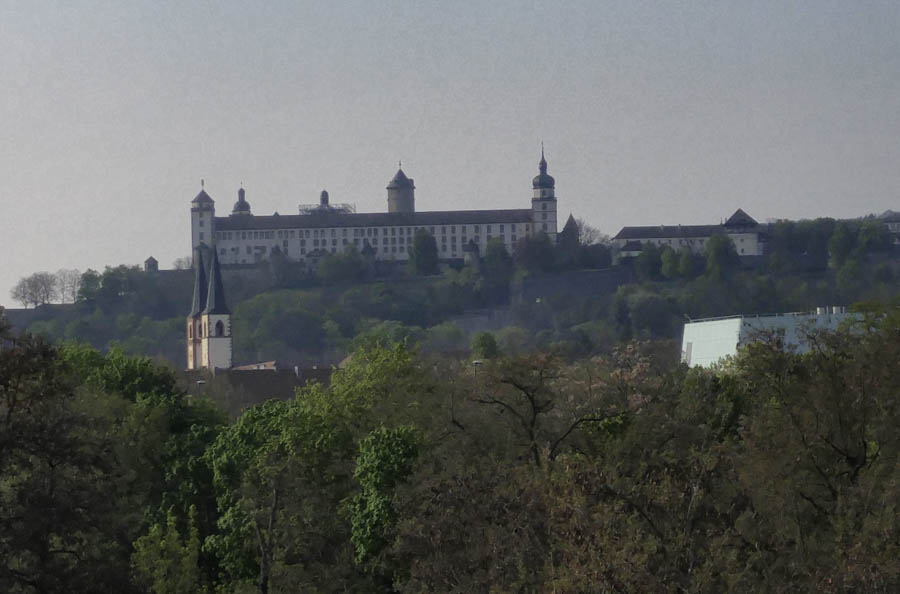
x=707 y=342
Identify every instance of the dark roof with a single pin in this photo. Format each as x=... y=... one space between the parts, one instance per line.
x=150 y=259
x=740 y=219
x=203 y=198
x=200 y=283
x=658 y=231
x=890 y=216
x=400 y=181
x=215 y=294
x=542 y=180
x=241 y=206
x=571 y=226
x=374 y=219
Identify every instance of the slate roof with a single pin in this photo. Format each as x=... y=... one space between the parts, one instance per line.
x=890 y=216
x=676 y=231
x=400 y=181
x=215 y=294
x=200 y=283
x=373 y=219
x=739 y=219
x=203 y=198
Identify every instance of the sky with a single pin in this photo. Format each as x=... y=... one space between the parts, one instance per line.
x=651 y=113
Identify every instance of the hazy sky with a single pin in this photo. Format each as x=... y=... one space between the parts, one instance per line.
x=651 y=113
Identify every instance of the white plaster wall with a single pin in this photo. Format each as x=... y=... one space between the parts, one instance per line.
x=705 y=343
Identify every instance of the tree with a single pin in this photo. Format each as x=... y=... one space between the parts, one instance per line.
x=345 y=266
x=535 y=254
x=423 y=255
x=497 y=270
x=484 y=346
x=687 y=263
x=588 y=234
x=37 y=289
x=89 y=289
x=183 y=263
x=385 y=459
x=165 y=563
x=721 y=257
x=59 y=528
x=840 y=245
x=648 y=263
x=69 y=283
x=669 y=263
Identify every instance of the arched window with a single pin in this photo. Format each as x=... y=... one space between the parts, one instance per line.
x=191 y=330
x=220 y=328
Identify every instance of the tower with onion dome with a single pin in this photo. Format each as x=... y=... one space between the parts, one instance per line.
x=543 y=200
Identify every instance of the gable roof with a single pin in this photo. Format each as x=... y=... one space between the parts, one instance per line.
x=740 y=219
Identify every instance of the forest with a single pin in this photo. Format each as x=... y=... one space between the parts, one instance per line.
x=411 y=472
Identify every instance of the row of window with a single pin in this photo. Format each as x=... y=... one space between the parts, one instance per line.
x=362 y=232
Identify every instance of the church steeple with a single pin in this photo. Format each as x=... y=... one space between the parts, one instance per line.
x=215 y=293
x=200 y=283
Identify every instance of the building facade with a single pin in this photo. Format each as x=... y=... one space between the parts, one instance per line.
x=245 y=238
x=748 y=236
x=705 y=343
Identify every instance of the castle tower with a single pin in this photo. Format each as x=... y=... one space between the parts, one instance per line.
x=543 y=201
x=209 y=323
x=401 y=193
x=241 y=207
x=203 y=219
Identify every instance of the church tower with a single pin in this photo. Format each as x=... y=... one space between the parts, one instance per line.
x=401 y=193
x=543 y=201
x=209 y=342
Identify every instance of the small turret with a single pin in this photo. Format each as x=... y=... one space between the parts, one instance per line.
x=323 y=199
x=241 y=207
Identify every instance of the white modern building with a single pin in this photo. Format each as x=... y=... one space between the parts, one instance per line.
x=325 y=228
x=707 y=342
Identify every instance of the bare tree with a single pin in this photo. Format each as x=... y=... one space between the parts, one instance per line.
x=183 y=263
x=46 y=286
x=68 y=282
x=37 y=289
x=22 y=293
x=588 y=234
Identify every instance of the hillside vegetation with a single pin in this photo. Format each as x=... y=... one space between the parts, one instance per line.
x=282 y=310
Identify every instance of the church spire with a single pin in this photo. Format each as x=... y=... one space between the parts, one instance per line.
x=200 y=285
x=215 y=294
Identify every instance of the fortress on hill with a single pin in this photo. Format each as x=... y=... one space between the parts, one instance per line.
x=325 y=228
